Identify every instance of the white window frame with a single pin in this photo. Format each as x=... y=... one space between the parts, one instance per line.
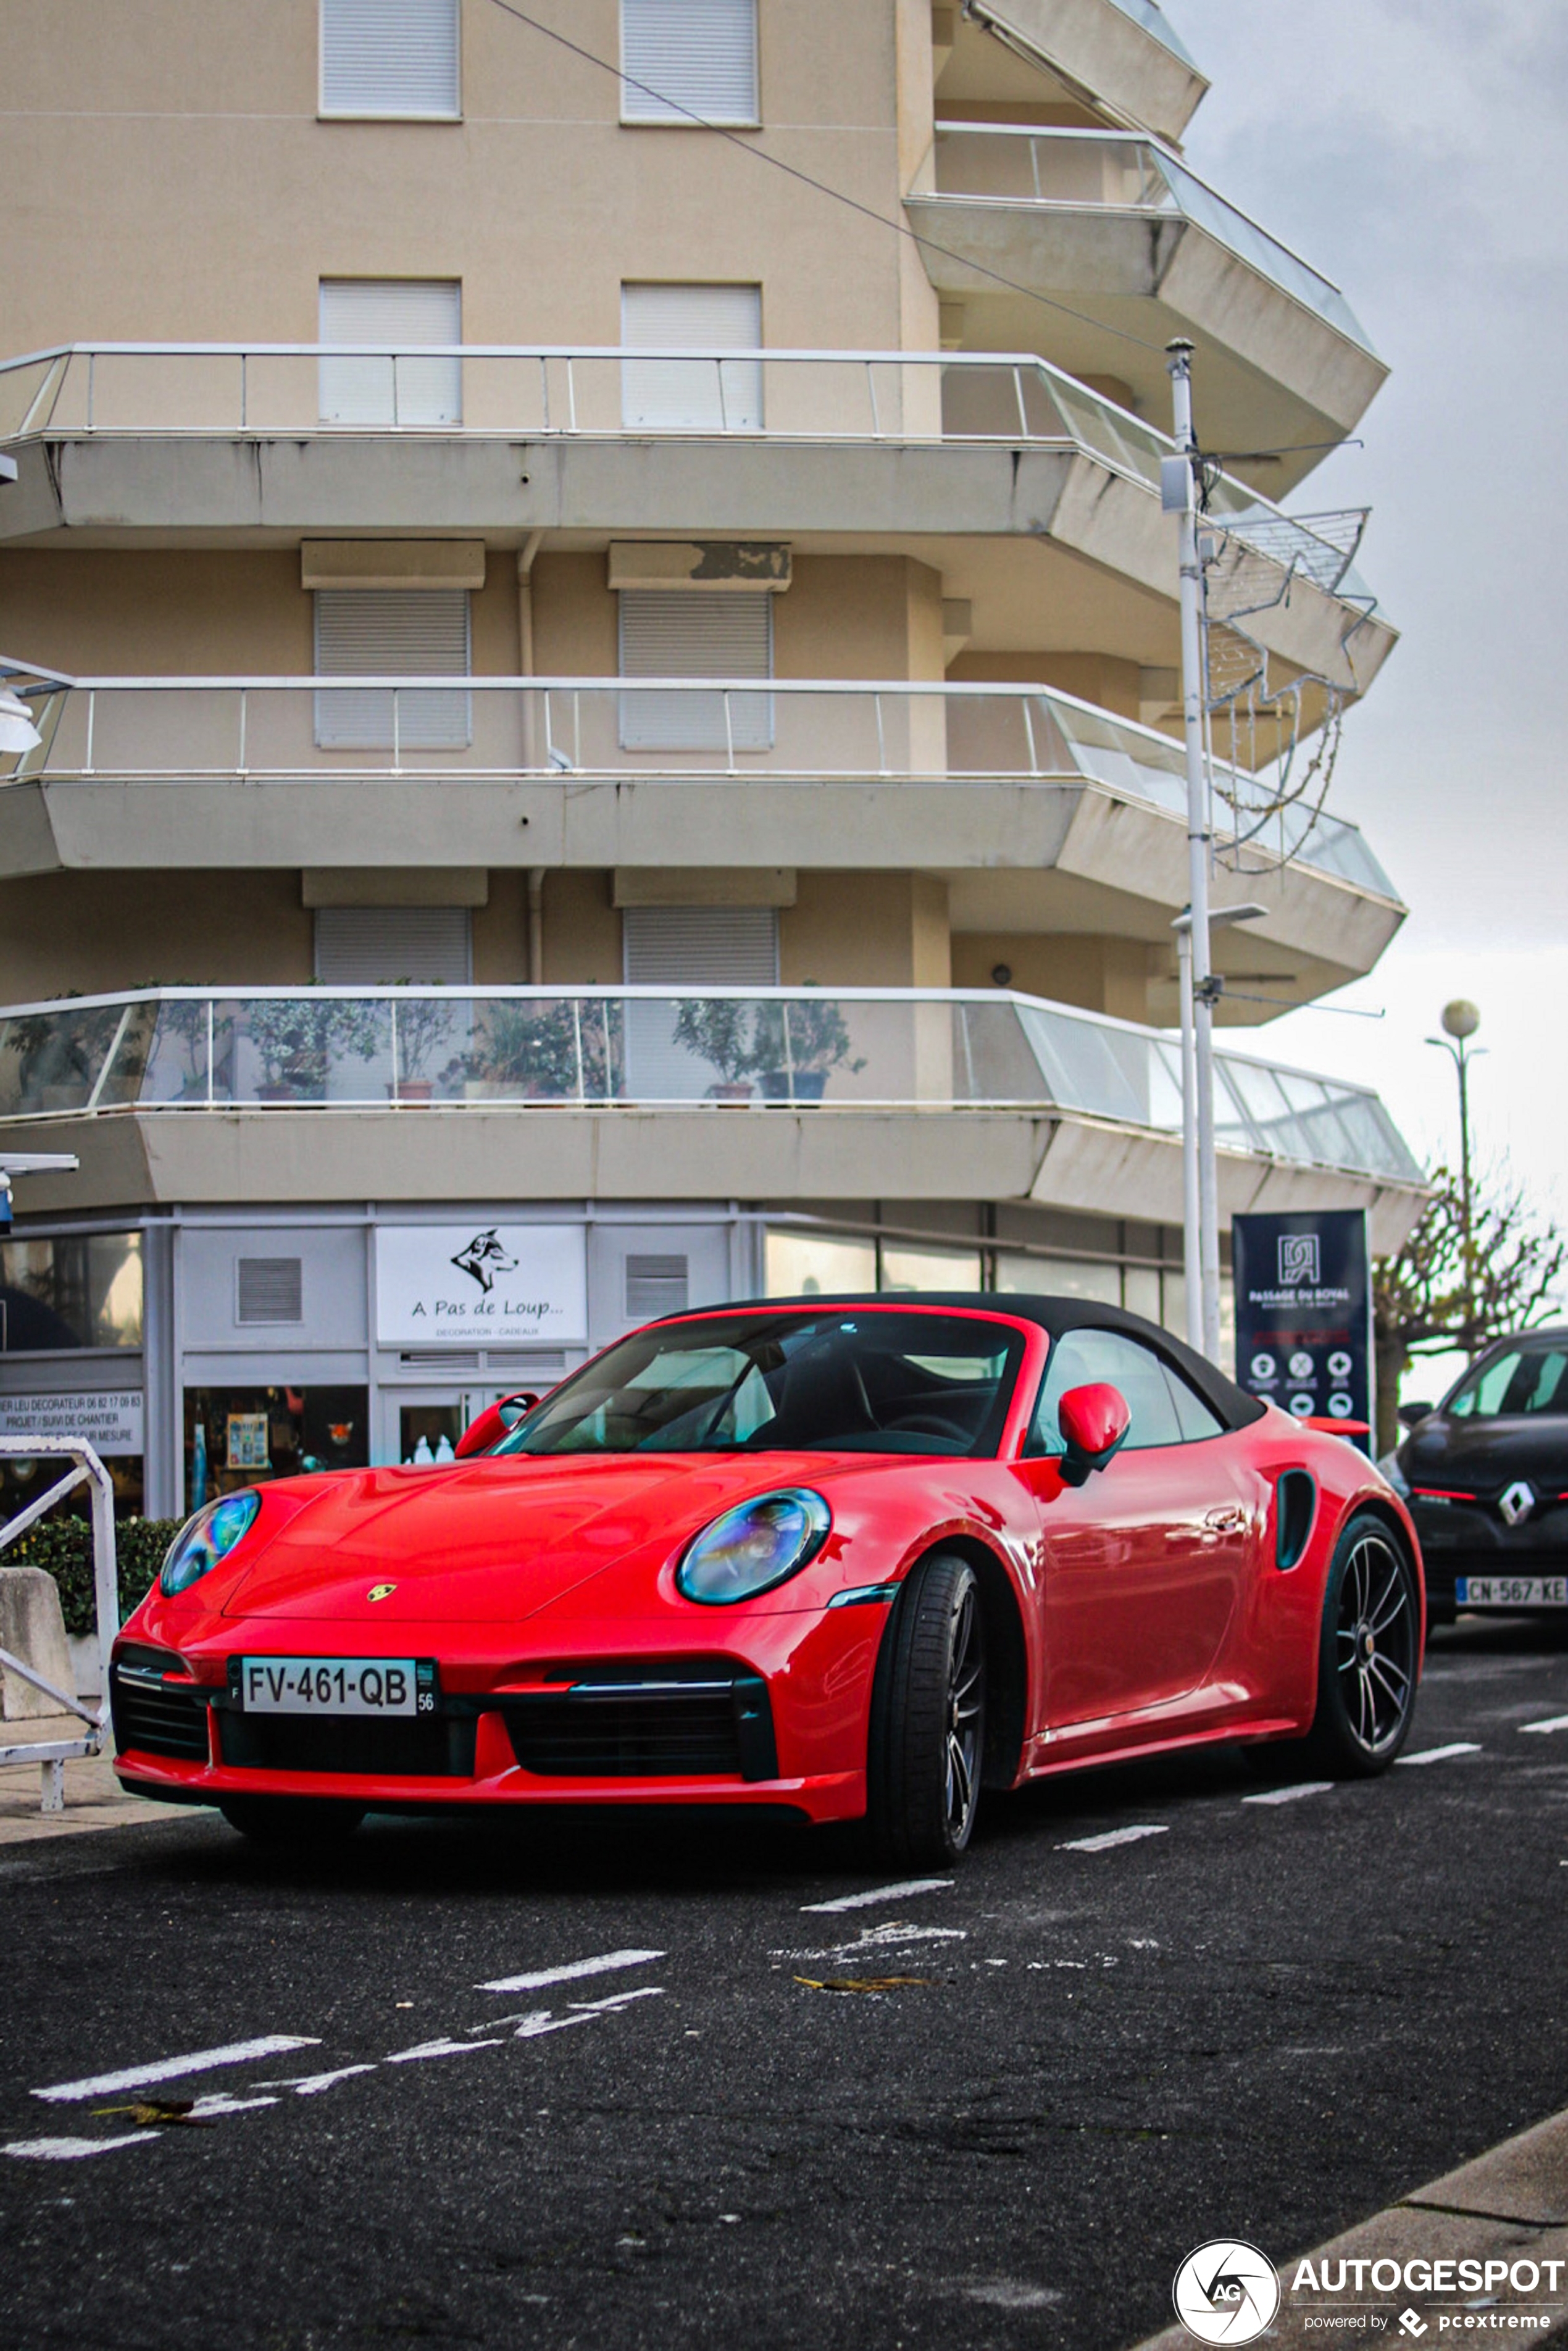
x=752 y=121
x=326 y=113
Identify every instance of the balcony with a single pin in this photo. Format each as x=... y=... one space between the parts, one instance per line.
x=1122 y=54
x=266 y=1093
x=1017 y=799
x=1116 y=225
x=998 y=469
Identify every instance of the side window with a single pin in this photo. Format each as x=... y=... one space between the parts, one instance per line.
x=1195 y=1418
x=1082 y=1357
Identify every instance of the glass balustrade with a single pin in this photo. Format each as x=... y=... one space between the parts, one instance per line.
x=405 y=1048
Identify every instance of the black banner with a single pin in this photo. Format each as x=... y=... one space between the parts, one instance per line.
x=1303 y=1312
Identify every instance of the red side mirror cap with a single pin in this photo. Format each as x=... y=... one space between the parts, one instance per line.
x=1094 y=1422
x=497 y=1420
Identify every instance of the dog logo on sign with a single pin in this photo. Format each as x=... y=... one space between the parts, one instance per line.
x=484 y=1258
x=1298 y=1261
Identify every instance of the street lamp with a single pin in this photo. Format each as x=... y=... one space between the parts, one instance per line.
x=1200 y=1176
x=1460 y=1021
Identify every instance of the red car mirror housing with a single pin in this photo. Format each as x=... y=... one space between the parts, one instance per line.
x=1094 y=1422
x=497 y=1420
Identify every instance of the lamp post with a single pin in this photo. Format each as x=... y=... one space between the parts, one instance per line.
x=1200 y=1180
x=1460 y=1021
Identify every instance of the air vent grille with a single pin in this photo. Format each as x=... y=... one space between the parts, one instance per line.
x=270 y=1290
x=656 y=1285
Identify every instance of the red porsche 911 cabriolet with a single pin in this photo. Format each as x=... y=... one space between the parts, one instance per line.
x=854 y=1556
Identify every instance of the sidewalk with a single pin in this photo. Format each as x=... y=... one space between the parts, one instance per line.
x=94 y=1799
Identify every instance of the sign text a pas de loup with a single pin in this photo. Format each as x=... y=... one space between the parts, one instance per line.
x=1303 y=1312
x=490 y=1285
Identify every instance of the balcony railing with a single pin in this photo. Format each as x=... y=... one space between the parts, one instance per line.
x=669 y=730
x=1154 y=21
x=529 y=393
x=192 y=1049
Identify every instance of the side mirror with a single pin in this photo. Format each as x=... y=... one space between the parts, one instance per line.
x=1094 y=1422
x=497 y=1420
x=1409 y=1414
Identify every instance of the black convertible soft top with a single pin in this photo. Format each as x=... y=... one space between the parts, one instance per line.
x=1056 y=1316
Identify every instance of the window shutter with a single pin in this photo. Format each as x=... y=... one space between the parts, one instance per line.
x=688 y=947
x=376 y=947
x=700 y=53
x=692 y=395
x=392 y=632
x=270 y=1290
x=390 y=57
x=655 y=1286
x=677 y=632
x=399 y=388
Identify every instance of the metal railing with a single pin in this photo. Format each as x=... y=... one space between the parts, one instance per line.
x=189 y=1050
x=1097 y=172
x=514 y=392
x=671 y=730
x=53 y=1754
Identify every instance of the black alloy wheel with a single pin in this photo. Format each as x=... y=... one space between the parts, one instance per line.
x=294 y=1823
x=928 y=1717
x=1369 y=1653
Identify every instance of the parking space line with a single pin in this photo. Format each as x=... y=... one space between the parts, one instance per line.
x=537 y=1978
x=1288 y=1795
x=71 y=2150
x=169 y=2069
x=1102 y=1843
x=1552 y=1722
x=876 y=1894
x=424 y=2049
x=1442 y=1754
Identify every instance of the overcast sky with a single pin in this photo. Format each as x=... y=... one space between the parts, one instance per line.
x=1410 y=149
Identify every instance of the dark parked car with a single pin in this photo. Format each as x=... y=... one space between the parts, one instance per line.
x=1486 y=1474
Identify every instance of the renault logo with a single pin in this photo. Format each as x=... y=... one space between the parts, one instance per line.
x=381 y=1592
x=1517 y=1503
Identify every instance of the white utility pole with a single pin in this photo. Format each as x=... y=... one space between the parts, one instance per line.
x=1191 y=1250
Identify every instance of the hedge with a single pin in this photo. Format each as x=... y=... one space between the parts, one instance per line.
x=64 y=1546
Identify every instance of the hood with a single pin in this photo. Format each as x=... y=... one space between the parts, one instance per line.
x=493 y=1539
x=1482 y=1457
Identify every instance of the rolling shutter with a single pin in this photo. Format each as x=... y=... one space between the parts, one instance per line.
x=692 y=395
x=390 y=57
x=673 y=633
x=700 y=53
x=377 y=946
x=401 y=388
x=688 y=947
x=392 y=632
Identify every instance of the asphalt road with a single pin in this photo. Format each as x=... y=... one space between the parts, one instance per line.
x=1267 y=2020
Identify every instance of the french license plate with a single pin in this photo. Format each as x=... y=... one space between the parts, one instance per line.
x=375 y=1685
x=1511 y=1590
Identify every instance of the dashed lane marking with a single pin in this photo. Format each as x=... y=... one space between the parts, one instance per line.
x=1552 y=1722
x=71 y=2150
x=309 y=2086
x=535 y=1979
x=424 y=2049
x=876 y=1894
x=1109 y=1838
x=1288 y=1795
x=169 y=2069
x=1442 y=1754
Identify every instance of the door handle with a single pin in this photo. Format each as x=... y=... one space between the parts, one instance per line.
x=1228 y=1519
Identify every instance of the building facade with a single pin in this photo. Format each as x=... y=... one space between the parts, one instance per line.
x=596 y=658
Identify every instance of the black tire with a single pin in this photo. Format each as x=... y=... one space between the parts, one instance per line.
x=929 y=1718
x=1368 y=1653
x=296 y=1822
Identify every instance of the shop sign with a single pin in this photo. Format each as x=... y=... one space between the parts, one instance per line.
x=1303 y=1312
x=109 y=1419
x=486 y=1285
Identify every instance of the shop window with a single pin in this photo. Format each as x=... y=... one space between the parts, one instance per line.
x=245 y=1435
x=817 y=1265
x=1064 y=1277
x=928 y=1266
x=76 y=1290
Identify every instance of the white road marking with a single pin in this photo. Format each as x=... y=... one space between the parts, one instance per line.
x=1115 y=1836
x=435 y=2049
x=307 y=2085
x=883 y=1894
x=71 y=2150
x=1288 y=1795
x=219 y=2103
x=169 y=2069
x=1441 y=1754
x=532 y=2028
x=1552 y=1722
x=539 y=1977
x=619 y=2000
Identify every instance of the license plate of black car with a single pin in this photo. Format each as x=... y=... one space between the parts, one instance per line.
x=1511 y=1590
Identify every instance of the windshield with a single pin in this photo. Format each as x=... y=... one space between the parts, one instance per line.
x=813 y=1383
x=1520 y=1380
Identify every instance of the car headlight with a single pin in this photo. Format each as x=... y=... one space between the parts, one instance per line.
x=205 y=1538
x=753 y=1547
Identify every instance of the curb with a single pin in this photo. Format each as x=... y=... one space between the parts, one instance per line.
x=1511 y=2204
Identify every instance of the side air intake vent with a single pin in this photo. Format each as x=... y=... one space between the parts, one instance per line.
x=1295 y=1507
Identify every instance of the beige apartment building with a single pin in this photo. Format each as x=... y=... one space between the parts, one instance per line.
x=593 y=700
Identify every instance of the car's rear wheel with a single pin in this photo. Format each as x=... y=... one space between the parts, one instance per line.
x=292 y=1821
x=1368 y=1654
x=928 y=1717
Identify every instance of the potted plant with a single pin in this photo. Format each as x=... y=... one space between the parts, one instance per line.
x=818 y=1042
x=531 y=1052
x=422 y=1023
x=298 y=1038
x=718 y=1029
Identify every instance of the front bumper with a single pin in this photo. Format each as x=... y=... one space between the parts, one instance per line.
x=1463 y=1538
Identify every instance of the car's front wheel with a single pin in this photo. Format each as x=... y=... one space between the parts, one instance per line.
x=1368 y=1654
x=297 y=1821
x=928 y=1717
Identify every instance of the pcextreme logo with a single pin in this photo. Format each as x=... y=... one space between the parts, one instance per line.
x=1226 y=2292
